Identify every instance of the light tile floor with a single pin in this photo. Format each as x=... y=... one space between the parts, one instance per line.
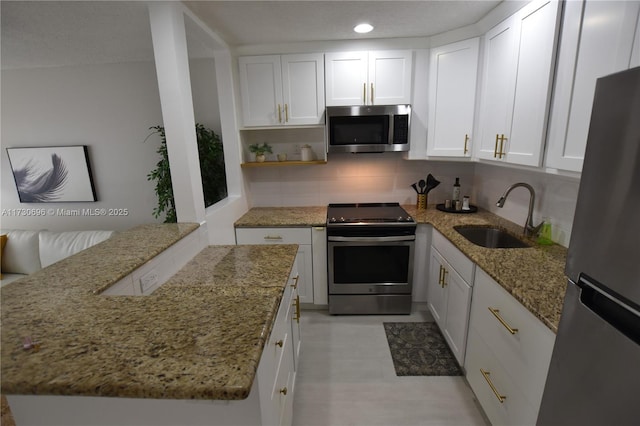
x=346 y=377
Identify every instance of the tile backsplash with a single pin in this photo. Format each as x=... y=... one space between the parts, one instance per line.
x=360 y=178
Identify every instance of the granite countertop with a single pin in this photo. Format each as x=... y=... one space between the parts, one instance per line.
x=198 y=336
x=283 y=216
x=534 y=276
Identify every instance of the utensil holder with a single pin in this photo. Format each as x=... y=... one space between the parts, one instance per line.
x=422 y=202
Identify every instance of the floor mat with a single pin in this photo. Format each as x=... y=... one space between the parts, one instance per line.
x=419 y=349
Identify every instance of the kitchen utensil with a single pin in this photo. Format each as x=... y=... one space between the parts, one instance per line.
x=422 y=185
x=431 y=183
x=414 y=186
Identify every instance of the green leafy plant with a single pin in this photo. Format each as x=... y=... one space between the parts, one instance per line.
x=260 y=149
x=212 y=171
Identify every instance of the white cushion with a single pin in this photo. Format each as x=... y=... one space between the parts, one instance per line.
x=9 y=278
x=21 y=254
x=55 y=246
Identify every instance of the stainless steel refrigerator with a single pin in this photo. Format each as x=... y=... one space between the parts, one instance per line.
x=594 y=376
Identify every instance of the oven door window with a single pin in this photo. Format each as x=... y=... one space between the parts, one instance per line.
x=359 y=130
x=367 y=264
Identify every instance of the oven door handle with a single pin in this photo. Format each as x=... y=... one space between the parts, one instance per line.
x=371 y=239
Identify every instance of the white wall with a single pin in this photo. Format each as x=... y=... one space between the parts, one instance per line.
x=204 y=92
x=109 y=108
x=556 y=197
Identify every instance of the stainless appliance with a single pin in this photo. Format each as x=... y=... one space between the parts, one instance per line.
x=594 y=376
x=373 y=128
x=370 y=258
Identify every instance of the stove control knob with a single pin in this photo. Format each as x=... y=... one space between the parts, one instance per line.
x=408 y=219
x=342 y=219
x=400 y=219
x=333 y=219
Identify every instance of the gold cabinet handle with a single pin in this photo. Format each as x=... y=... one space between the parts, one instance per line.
x=286 y=113
x=371 y=93
x=273 y=237
x=466 y=141
x=440 y=277
x=444 y=277
x=295 y=281
x=364 y=93
x=496 y=313
x=501 y=152
x=495 y=148
x=279 y=343
x=297 y=305
x=279 y=114
x=500 y=397
x=283 y=390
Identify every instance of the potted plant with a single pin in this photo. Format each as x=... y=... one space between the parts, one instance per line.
x=260 y=150
x=212 y=171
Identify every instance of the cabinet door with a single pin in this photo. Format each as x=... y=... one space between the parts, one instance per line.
x=304 y=260
x=497 y=88
x=346 y=78
x=319 y=249
x=458 y=304
x=437 y=294
x=261 y=90
x=597 y=40
x=536 y=25
x=303 y=88
x=389 y=77
x=452 y=94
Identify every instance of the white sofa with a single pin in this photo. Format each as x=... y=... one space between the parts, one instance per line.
x=26 y=251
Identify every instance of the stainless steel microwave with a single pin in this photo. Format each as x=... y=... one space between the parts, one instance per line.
x=373 y=128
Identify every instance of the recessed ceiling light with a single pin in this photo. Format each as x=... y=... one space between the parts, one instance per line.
x=363 y=28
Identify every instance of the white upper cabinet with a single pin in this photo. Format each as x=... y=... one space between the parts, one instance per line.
x=452 y=95
x=282 y=90
x=517 y=77
x=598 y=38
x=368 y=78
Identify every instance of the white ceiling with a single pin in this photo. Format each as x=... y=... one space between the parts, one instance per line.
x=56 y=33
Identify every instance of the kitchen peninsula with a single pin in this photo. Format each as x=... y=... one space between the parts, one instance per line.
x=200 y=336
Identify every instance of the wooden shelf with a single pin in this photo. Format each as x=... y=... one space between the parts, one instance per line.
x=282 y=163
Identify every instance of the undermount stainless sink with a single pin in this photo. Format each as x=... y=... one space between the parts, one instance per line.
x=490 y=237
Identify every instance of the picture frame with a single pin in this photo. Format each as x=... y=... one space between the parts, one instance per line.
x=52 y=174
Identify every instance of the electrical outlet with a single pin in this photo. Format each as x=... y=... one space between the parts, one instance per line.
x=296 y=149
x=148 y=280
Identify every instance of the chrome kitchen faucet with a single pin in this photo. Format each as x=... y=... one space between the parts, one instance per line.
x=529 y=229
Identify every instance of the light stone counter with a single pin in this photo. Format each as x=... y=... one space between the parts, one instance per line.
x=534 y=276
x=199 y=336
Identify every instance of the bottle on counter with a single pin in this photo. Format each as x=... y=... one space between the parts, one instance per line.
x=456 y=191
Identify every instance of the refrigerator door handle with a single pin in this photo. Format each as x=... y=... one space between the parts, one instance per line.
x=619 y=314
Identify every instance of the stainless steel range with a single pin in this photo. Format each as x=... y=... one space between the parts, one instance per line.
x=370 y=258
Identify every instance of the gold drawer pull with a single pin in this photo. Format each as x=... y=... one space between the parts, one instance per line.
x=279 y=343
x=273 y=237
x=495 y=148
x=466 y=141
x=295 y=281
x=279 y=114
x=486 y=374
x=444 y=277
x=283 y=390
x=496 y=313
x=297 y=305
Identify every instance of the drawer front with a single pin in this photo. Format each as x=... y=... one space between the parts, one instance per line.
x=525 y=353
x=455 y=257
x=515 y=409
x=273 y=235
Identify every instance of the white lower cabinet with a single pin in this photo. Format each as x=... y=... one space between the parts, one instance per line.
x=449 y=293
x=304 y=260
x=278 y=365
x=508 y=354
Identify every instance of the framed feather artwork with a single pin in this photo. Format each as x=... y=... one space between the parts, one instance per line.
x=52 y=174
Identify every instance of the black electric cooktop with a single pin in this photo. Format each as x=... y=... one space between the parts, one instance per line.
x=367 y=213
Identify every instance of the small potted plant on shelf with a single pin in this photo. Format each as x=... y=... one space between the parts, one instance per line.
x=260 y=150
